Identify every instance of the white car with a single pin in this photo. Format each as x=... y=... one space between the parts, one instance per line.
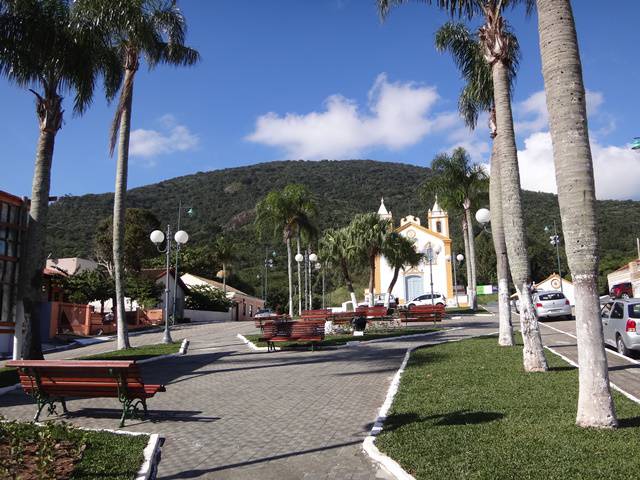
x=264 y=313
x=438 y=299
x=549 y=304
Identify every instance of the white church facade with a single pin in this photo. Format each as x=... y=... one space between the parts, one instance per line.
x=415 y=281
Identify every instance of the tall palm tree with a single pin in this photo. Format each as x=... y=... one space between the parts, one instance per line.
x=494 y=38
x=458 y=183
x=44 y=48
x=286 y=213
x=337 y=248
x=225 y=253
x=475 y=97
x=153 y=30
x=564 y=88
x=369 y=232
x=400 y=252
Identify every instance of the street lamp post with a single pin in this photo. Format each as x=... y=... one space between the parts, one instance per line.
x=429 y=253
x=455 y=261
x=299 y=258
x=313 y=258
x=268 y=263
x=319 y=267
x=555 y=241
x=157 y=237
x=175 y=284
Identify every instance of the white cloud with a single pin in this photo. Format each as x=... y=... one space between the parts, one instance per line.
x=171 y=137
x=398 y=116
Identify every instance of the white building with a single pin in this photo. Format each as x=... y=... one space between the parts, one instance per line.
x=415 y=281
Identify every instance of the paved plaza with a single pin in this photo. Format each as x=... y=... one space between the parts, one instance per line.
x=232 y=413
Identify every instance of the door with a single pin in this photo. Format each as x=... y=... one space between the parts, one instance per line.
x=616 y=322
x=413 y=287
x=604 y=315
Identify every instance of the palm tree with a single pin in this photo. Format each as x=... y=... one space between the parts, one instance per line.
x=369 y=231
x=399 y=252
x=286 y=212
x=475 y=97
x=149 y=29
x=564 y=88
x=457 y=183
x=43 y=47
x=337 y=248
x=495 y=37
x=224 y=252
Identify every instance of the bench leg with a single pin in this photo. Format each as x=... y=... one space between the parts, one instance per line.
x=40 y=407
x=64 y=406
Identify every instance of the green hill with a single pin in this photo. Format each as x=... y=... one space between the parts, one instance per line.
x=223 y=201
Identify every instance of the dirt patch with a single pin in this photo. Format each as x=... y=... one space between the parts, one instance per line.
x=31 y=460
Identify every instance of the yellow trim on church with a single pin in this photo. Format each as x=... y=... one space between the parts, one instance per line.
x=447 y=252
x=424 y=229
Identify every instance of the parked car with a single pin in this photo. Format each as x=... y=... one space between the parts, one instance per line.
x=620 y=323
x=438 y=299
x=622 y=290
x=549 y=304
x=381 y=298
x=264 y=313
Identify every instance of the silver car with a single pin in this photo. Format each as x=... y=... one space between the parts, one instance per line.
x=549 y=304
x=620 y=321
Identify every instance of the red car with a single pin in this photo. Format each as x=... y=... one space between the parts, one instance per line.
x=622 y=290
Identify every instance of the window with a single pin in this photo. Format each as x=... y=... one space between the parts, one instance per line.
x=606 y=310
x=634 y=310
x=618 y=311
x=551 y=296
x=244 y=308
x=439 y=227
x=251 y=310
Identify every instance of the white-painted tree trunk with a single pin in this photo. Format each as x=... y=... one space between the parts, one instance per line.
x=299 y=281
x=465 y=238
x=505 y=334
x=565 y=94
x=290 y=272
x=515 y=235
x=473 y=301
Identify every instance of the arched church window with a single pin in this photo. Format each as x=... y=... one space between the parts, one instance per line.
x=439 y=227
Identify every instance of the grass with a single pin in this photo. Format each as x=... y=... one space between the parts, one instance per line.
x=137 y=353
x=343 y=338
x=484 y=299
x=467 y=410
x=107 y=455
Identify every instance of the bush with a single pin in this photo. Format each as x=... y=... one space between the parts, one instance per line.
x=205 y=297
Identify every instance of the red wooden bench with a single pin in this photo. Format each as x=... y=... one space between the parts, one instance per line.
x=321 y=314
x=307 y=331
x=423 y=313
x=50 y=381
x=373 y=313
x=342 y=318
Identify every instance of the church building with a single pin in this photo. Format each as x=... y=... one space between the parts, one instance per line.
x=415 y=281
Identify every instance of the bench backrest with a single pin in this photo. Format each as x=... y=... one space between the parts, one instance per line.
x=77 y=377
x=296 y=329
x=426 y=308
x=372 y=312
x=321 y=314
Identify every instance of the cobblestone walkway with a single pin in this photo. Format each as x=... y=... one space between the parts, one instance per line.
x=231 y=413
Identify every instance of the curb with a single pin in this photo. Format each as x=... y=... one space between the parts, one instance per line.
x=368 y=445
x=152 y=456
x=183 y=351
x=252 y=345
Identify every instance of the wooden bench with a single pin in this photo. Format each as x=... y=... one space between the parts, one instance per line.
x=50 y=381
x=423 y=313
x=342 y=318
x=321 y=314
x=307 y=331
x=373 y=313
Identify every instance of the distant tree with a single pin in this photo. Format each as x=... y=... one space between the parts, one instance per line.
x=149 y=29
x=136 y=248
x=400 y=252
x=368 y=232
x=337 y=248
x=206 y=297
x=142 y=289
x=44 y=47
x=224 y=252
x=458 y=183
x=88 y=286
x=286 y=212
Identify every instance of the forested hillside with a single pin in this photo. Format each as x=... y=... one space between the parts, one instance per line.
x=223 y=202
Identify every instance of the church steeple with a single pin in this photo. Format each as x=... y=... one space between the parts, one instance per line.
x=382 y=211
x=438 y=219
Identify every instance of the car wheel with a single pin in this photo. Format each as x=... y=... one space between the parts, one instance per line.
x=411 y=305
x=622 y=348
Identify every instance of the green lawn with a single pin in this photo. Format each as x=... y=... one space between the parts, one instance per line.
x=342 y=339
x=137 y=353
x=484 y=299
x=107 y=455
x=467 y=410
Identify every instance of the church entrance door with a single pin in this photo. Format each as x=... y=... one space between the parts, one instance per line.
x=413 y=285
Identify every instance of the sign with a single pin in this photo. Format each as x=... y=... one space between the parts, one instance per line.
x=484 y=289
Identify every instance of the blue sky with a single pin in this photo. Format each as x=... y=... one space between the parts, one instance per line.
x=313 y=79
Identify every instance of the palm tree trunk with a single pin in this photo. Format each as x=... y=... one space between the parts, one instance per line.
x=394 y=279
x=505 y=335
x=49 y=111
x=347 y=279
x=372 y=279
x=299 y=280
x=119 y=208
x=290 y=272
x=465 y=238
x=562 y=72
x=514 y=229
x=472 y=257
